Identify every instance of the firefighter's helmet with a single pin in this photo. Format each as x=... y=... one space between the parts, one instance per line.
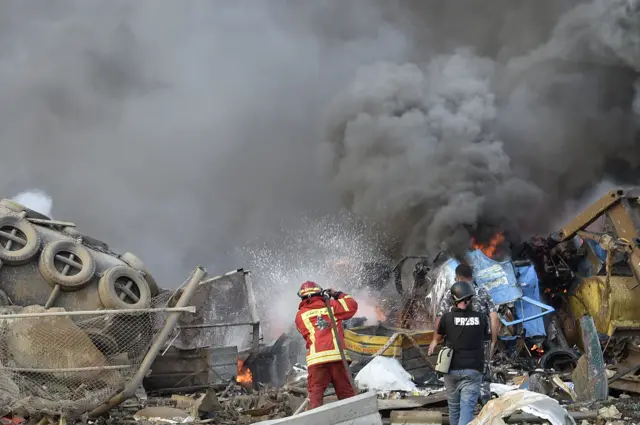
x=309 y=289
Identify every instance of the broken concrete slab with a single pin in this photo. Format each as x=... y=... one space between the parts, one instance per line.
x=359 y=410
x=163 y=414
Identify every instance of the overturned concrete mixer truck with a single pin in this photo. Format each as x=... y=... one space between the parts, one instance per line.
x=50 y=263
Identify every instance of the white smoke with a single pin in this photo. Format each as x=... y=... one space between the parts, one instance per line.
x=36 y=200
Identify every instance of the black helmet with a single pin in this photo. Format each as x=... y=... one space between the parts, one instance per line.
x=461 y=291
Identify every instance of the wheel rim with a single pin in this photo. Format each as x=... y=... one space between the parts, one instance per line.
x=12 y=238
x=67 y=263
x=127 y=290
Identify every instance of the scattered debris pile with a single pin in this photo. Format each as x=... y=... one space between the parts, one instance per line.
x=562 y=356
x=236 y=404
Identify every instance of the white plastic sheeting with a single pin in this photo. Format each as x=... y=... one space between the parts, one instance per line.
x=384 y=374
x=535 y=404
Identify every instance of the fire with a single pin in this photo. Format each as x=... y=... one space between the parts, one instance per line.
x=490 y=249
x=244 y=376
x=380 y=314
x=538 y=349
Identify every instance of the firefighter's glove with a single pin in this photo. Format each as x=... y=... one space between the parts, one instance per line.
x=332 y=293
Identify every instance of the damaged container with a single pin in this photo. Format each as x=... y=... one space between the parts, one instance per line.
x=363 y=342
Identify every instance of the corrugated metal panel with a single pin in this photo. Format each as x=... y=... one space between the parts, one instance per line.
x=191 y=368
x=224 y=299
x=224 y=362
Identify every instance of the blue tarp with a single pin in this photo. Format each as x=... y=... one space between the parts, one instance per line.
x=528 y=280
x=507 y=284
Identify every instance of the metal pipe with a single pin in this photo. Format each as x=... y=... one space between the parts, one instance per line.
x=177 y=309
x=53 y=297
x=51 y=222
x=255 y=337
x=217 y=325
x=133 y=384
x=69 y=369
x=334 y=327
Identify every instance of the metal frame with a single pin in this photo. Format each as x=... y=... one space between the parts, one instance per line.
x=255 y=329
x=547 y=310
x=253 y=320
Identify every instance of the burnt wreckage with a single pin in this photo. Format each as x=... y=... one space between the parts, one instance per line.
x=589 y=267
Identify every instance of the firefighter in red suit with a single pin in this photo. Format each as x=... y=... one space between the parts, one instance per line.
x=324 y=363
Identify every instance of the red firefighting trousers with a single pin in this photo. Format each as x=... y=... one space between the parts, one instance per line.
x=319 y=378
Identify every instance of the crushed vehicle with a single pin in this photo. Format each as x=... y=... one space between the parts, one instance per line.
x=589 y=267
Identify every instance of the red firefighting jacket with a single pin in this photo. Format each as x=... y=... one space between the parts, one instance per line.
x=314 y=324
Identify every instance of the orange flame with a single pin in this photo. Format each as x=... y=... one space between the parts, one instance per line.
x=380 y=314
x=490 y=249
x=537 y=349
x=244 y=376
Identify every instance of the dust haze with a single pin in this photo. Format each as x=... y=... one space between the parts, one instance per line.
x=181 y=131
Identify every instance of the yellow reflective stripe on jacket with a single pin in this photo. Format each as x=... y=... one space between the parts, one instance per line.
x=333 y=357
x=325 y=356
x=343 y=303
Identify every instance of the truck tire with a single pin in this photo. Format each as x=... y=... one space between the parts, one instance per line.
x=133 y=261
x=55 y=258
x=19 y=240
x=123 y=280
x=104 y=342
x=18 y=207
x=87 y=240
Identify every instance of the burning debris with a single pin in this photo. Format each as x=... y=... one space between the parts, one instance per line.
x=244 y=377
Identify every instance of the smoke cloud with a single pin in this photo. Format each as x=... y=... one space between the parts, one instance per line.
x=181 y=131
x=178 y=130
x=503 y=128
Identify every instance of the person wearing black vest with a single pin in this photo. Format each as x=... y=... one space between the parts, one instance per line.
x=464 y=330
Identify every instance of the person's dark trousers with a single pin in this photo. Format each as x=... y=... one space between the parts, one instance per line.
x=319 y=378
x=485 y=393
x=463 y=390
